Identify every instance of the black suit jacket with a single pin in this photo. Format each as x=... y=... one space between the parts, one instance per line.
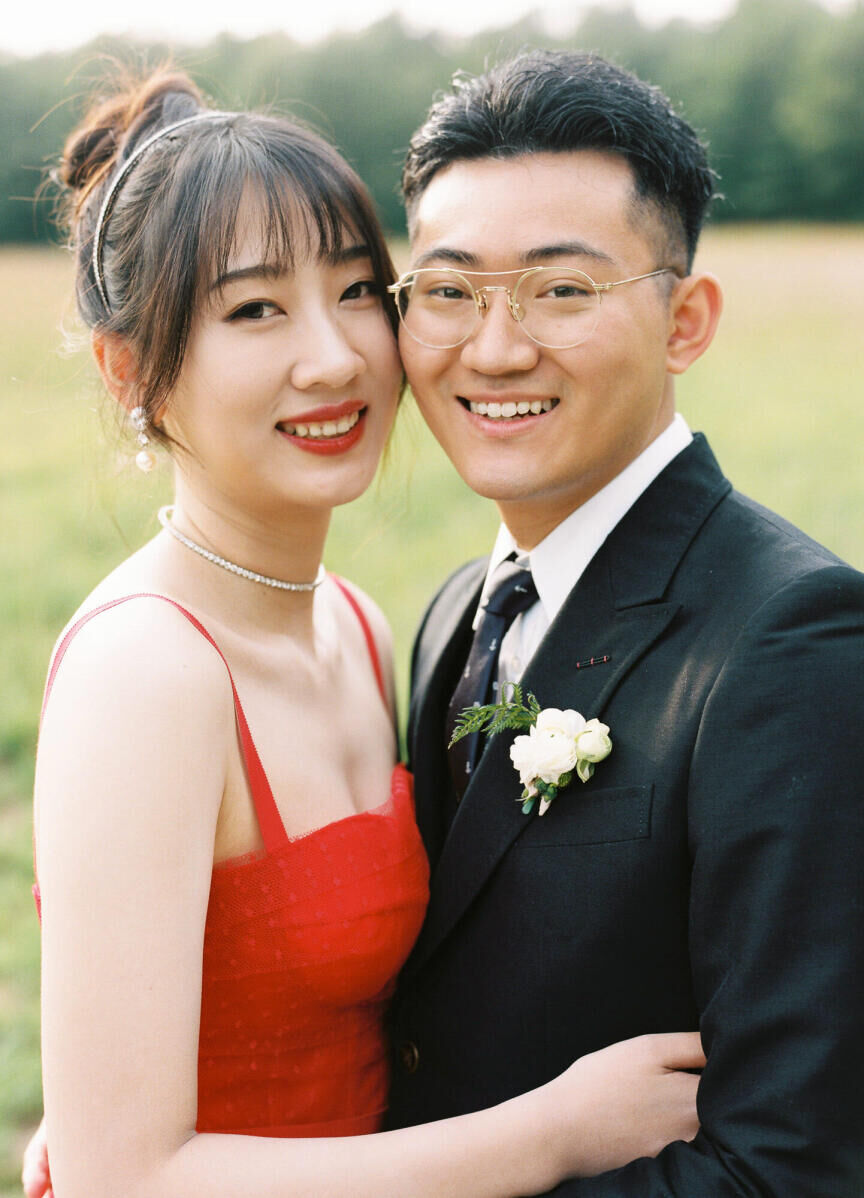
x=710 y=874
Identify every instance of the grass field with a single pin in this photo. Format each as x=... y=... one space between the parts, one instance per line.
x=780 y=395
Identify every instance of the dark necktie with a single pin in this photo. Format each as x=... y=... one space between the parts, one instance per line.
x=513 y=592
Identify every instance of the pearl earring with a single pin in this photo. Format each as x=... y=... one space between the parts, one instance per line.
x=145 y=459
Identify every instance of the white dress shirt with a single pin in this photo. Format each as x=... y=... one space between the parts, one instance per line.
x=561 y=558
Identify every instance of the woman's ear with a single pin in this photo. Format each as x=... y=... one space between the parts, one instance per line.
x=117 y=366
x=695 y=308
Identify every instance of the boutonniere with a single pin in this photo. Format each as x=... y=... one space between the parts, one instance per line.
x=559 y=744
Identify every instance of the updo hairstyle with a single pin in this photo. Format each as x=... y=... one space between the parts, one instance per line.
x=172 y=225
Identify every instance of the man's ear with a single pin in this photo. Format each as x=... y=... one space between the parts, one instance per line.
x=695 y=308
x=117 y=366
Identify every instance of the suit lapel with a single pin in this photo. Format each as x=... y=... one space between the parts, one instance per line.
x=439 y=657
x=616 y=611
x=489 y=818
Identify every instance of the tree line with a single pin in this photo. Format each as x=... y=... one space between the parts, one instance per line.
x=775 y=88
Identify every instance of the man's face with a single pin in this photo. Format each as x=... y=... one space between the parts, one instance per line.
x=610 y=396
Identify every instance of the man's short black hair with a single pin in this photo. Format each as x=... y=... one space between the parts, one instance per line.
x=547 y=101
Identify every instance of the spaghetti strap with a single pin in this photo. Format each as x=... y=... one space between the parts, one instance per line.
x=367 y=632
x=269 y=820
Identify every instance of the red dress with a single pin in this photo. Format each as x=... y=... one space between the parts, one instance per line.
x=302 y=945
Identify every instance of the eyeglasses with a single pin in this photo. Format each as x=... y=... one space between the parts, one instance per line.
x=556 y=306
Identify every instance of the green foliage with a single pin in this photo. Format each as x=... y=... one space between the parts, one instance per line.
x=775 y=88
x=492 y=718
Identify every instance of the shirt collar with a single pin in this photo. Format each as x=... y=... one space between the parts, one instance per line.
x=559 y=560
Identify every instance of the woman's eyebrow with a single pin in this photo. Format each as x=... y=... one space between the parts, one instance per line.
x=259 y=270
x=349 y=253
x=272 y=270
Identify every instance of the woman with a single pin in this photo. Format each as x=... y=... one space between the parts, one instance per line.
x=222 y=929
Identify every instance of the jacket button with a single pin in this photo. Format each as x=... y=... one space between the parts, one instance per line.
x=409 y=1056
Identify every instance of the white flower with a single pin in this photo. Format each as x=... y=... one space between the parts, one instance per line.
x=558 y=743
x=545 y=753
x=593 y=741
x=571 y=723
x=592 y=745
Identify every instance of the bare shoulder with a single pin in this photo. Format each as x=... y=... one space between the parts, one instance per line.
x=134 y=751
x=138 y=670
x=380 y=629
x=135 y=641
x=377 y=620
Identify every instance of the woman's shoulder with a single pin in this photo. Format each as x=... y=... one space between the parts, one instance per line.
x=368 y=610
x=135 y=644
x=137 y=705
x=134 y=742
x=368 y=615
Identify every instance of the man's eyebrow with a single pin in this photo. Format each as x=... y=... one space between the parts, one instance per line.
x=443 y=253
x=541 y=253
x=566 y=249
x=272 y=270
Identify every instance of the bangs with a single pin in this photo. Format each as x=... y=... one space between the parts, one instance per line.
x=295 y=203
x=285 y=228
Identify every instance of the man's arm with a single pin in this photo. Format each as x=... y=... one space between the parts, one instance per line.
x=776 y=810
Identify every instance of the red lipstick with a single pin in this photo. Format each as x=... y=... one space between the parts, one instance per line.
x=333 y=444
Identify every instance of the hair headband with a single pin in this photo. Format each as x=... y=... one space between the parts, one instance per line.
x=117 y=182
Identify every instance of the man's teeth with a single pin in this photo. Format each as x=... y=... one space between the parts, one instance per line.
x=506 y=411
x=328 y=428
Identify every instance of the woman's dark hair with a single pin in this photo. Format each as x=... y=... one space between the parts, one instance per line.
x=554 y=101
x=173 y=223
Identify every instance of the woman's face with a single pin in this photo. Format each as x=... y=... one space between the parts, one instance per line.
x=290 y=381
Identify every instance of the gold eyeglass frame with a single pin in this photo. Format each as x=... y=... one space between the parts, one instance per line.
x=479 y=294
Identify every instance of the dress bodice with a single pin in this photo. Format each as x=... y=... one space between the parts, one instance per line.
x=301 y=950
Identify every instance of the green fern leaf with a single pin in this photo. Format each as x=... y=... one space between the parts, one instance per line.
x=492 y=718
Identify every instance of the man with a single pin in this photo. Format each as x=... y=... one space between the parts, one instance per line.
x=709 y=873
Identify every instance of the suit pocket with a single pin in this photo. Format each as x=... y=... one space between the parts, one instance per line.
x=585 y=816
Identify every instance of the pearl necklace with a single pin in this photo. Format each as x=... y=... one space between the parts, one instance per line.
x=280 y=585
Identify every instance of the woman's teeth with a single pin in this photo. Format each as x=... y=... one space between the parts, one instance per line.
x=328 y=428
x=506 y=411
